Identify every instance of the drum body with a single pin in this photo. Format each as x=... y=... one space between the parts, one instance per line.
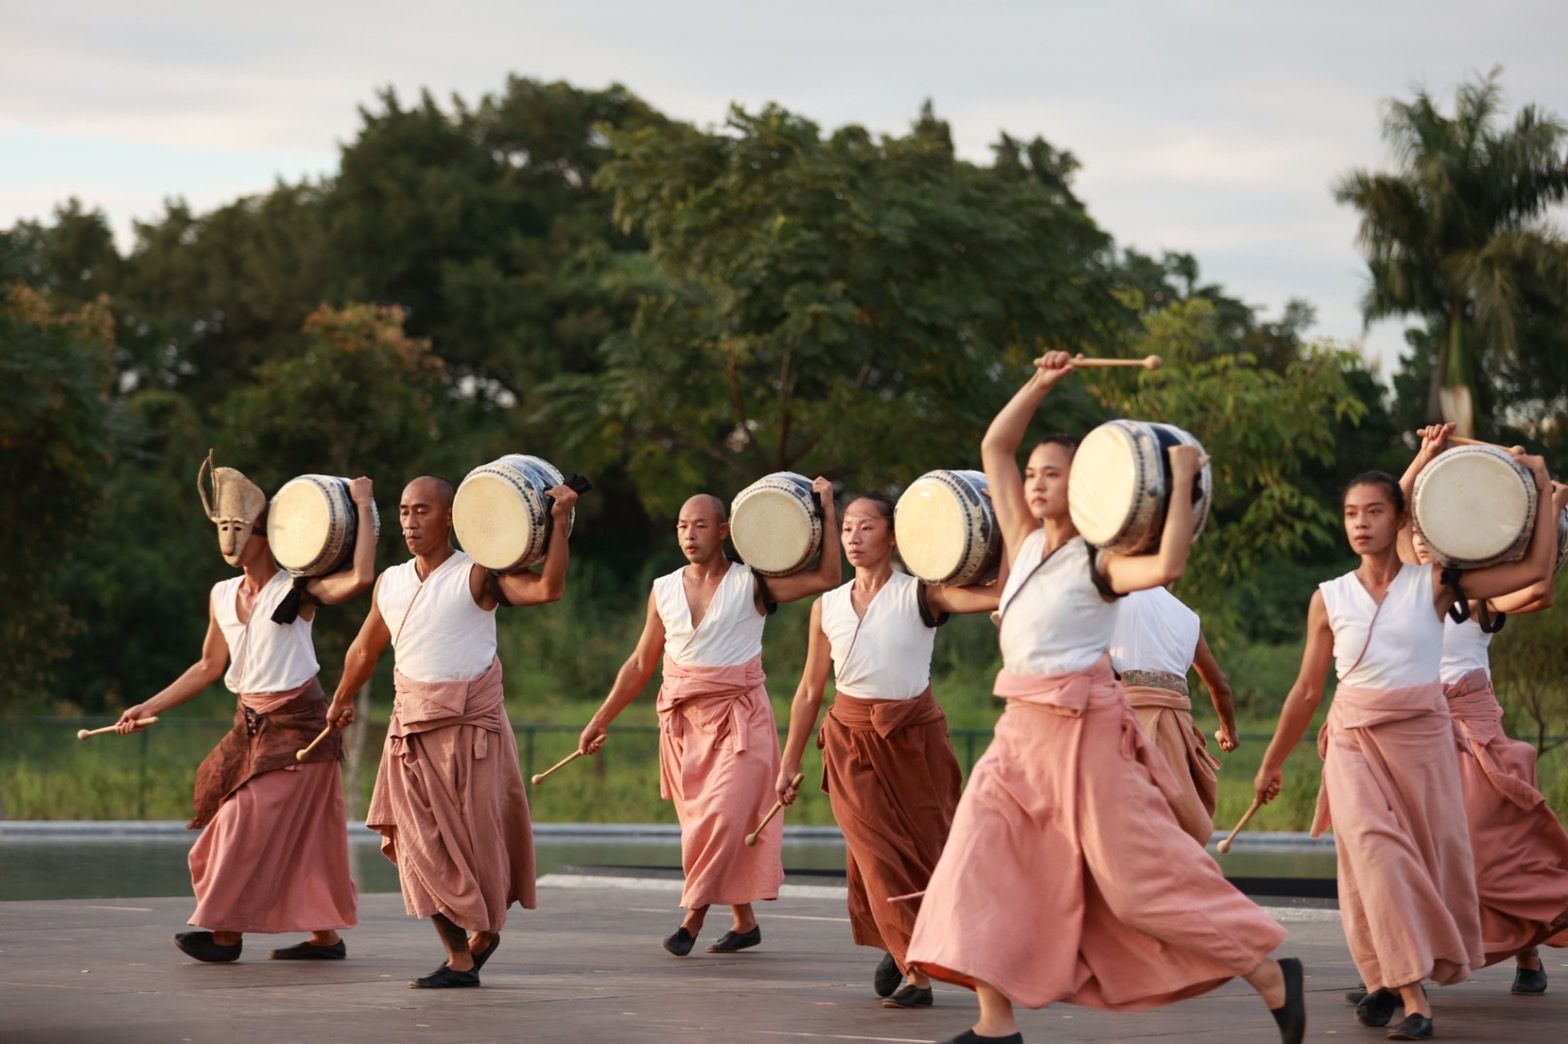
x=501 y=513
x=1474 y=506
x=946 y=528
x=312 y=524
x=1120 y=484
x=776 y=523
x=1562 y=539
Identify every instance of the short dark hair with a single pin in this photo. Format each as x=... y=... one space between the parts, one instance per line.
x=1067 y=442
x=883 y=502
x=1389 y=483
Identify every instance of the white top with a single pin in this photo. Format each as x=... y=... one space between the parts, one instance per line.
x=1407 y=643
x=263 y=656
x=886 y=654
x=443 y=634
x=1155 y=631
x=1054 y=619
x=1464 y=649
x=730 y=631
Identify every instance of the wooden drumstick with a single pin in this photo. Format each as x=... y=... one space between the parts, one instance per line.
x=539 y=777
x=141 y=723
x=1257 y=803
x=1460 y=440
x=751 y=838
x=301 y=755
x=1148 y=362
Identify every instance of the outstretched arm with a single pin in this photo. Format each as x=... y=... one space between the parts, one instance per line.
x=358 y=665
x=806 y=706
x=1128 y=573
x=1214 y=680
x=195 y=678
x=1301 y=703
x=829 y=572
x=1542 y=594
x=341 y=586
x=629 y=680
x=999 y=449
x=977 y=598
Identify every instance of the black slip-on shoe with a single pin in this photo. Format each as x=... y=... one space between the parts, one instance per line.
x=1291 y=1017
x=444 y=978
x=887 y=977
x=1355 y=996
x=732 y=941
x=681 y=942
x=910 y=996
x=200 y=946
x=309 y=951
x=1378 y=1007
x=971 y=1037
x=484 y=955
x=1414 y=1027
x=1529 y=981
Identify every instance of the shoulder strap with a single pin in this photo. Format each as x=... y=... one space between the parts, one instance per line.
x=928 y=616
x=493 y=587
x=769 y=604
x=1101 y=583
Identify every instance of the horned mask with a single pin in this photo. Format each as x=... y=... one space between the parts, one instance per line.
x=236 y=506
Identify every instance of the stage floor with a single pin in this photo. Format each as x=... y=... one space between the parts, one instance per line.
x=587 y=966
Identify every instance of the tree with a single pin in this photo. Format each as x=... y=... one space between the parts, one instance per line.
x=1457 y=234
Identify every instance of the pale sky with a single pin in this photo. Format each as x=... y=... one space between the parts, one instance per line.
x=1215 y=128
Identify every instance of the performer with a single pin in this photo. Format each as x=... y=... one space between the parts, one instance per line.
x=449 y=802
x=1066 y=876
x=887 y=765
x=1391 y=788
x=1157 y=639
x=718 y=744
x=273 y=850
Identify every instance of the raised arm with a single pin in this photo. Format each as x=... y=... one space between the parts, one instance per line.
x=999 y=449
x=358 y=665
x=1535 y=567
x=341 y=586
x=190 y=683
x=1302 y=701
x=1542 y=594
x=806 y=706
x=1434 y=439
x=629 y=680
x=1214 y=680
x=527 y=587
x=829 y=572
x=1128 y=573
x=977 y=598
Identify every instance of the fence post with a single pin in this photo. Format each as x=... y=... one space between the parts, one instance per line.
x=528 y=753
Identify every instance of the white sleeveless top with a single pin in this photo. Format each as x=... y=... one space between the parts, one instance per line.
x=1407 y=643
x=442 y=635
x=1155 y=631
x=730 y=631
x=1464 y=649
x=1053 y=617
x=263 y=656
x=886 y=654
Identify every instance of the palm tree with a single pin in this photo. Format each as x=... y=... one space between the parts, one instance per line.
x=1457 y=234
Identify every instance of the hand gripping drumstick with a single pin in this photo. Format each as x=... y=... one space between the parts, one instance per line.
x=302 y=754
x=1148 y=362
x=1257 y=803
x=141 y=723
x=539 y=777
x=1460 y=440
x=751 y=838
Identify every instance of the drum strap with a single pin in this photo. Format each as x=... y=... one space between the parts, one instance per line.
x=1101 y=583
x=288 y=609
x=1460 y=610
x=770 y=604
x=928 y=616
x=493 y=585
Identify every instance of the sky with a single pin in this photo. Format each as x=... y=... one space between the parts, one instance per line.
x=1212 y=128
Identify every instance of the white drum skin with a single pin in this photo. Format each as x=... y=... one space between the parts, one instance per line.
x=946 y=528
x=776 y=523
x=1474 y=506
x=501 y=513
x=1119 y=486
x=312 y=524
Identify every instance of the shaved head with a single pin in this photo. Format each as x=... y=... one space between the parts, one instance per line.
x=701 y=528
x=428 y=489
x=707 y=503
x=425 y=514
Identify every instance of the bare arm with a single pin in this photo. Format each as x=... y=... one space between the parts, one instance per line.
x=1214 y=680
x=829 y=572
x=358 y=665
x=1301 y=703
x=190 y=683
x=979 y=598
x=1434 y=438
x=999 y=450
x=1536 y=565
x=527 y=587
x=1128 y=573
x=1541 y=595
x=340 y=587
x=629 y=680
x=806 y=706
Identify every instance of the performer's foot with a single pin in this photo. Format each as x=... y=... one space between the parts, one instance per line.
x=681 y=942
x=1357 y=995
x=732 y=941
x=310 y=951
x=444 y=978
x=969 y=1036
x=482 y=954
x=1529 y=981
x=887 y=977
x=909 y=997
x=1291 y=1017
x=201 y=946
x=1414 y=1027
x=1378 y=1007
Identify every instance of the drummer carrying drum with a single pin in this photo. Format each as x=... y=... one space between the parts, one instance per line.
x=718 y=744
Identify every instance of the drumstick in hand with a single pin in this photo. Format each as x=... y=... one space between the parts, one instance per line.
x=1224 y=845
x=1148 y=362
x=141 y=723
x=751 y=838
x=302 y=754
x=539 y=777
x=1460 y=440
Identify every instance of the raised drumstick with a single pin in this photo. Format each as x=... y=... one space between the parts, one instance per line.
x=301 y=755
x=1460 y=440
x=141 y=723
x=1224 y=846
x=539 y=777
x=1148 y=362
x=751 y=838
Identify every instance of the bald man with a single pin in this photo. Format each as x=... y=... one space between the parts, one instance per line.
x=718 y=744
x=449 y=801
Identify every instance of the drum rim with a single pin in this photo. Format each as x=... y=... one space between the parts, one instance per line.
x=344 y=527
x=1150 y=515
x=530 y=480
x=1444 y=460
x=978 y=556
x=798 y=487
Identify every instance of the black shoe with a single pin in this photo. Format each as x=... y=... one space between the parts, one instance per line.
x=887 y=977
x=1415 y=1027
x=971 y=1037
x=444 y=978
x=200 y=946
x=1291 y=1017
x=731 y=941
x=1529 y=982
x=309 y=951
x=484 y=955
x=1356 y=996
x=1378 y=1007
x=910 y=996
x=681 y=942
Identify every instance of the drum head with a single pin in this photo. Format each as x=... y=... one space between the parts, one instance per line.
x=1474 y=505
x=773 y=524
x=946 y=529
x=299 y=523
x=1110 y=473
x=493 y=521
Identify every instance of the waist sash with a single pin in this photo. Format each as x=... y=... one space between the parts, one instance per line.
x=260 y=743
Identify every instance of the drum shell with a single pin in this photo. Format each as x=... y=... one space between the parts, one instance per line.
x=525 y=538
x=770 y=554
x=1562 y=539
x=336 y=543
x=1449 y=478
x=1138 y=524
x=978 y=536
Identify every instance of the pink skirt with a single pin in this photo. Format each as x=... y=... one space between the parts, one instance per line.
x=1166 y=719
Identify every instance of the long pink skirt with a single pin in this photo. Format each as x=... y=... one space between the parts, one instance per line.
x=1066 y=876
x=275 y=857
x=1166 y=719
